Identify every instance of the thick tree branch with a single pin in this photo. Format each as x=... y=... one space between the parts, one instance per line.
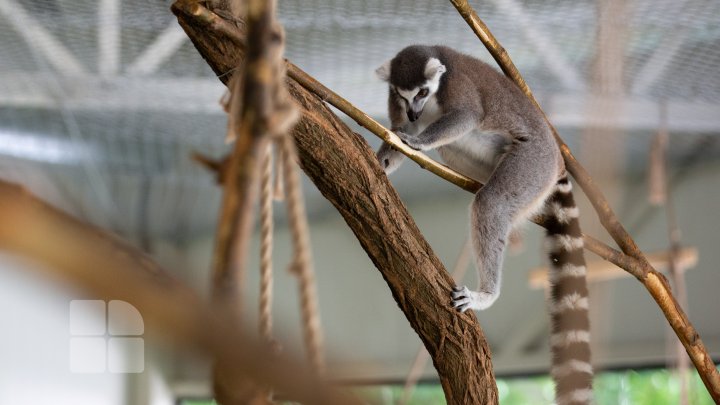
x=346 y=172
x=655 y=282
x=110 y=269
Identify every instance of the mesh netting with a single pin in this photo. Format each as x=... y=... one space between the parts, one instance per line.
x=68 y=120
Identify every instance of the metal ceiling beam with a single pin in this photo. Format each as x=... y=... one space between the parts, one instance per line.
x=92 y=93
x=40 y=39
x=201 y=95
x=109 y=37
x=571 y=111
x=159 y=51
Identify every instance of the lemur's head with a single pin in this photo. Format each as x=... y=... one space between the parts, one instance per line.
x=413 y=76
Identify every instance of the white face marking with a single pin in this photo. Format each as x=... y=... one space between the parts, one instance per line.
x=431 y=112
x=414 y=103
x=433 y=71
x=408 y=95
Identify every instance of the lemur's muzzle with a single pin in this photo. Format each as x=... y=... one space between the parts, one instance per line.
x=413 y=115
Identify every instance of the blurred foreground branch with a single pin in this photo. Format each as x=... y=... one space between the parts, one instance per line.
x=108 y=268
x=259 y=111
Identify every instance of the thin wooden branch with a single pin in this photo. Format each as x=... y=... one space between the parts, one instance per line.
x=236 y=213
x=218 y=167
x=108 y=268
x=655 y=282
x=600 y=270
x=383 y=133
x=346 y=172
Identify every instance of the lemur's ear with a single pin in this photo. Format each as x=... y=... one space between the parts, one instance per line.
x=383 y=72
x=433 y=69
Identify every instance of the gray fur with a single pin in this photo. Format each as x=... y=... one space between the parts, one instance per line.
x=485 y=127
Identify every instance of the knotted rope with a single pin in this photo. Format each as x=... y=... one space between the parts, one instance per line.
x=301 y=264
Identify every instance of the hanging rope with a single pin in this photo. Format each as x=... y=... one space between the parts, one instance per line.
x=278 y=187
x=266 y=247
x=266 y=270
x=301 y=265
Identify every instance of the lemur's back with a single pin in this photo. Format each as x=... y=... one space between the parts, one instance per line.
x=501 y=99
x=503 y=114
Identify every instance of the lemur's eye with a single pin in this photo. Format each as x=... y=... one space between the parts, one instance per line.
x=422 y=93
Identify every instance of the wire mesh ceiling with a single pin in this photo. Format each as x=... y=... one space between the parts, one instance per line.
x=101 y=102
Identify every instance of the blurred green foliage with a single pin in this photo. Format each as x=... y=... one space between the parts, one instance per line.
x=644 y=387
x=630 y=387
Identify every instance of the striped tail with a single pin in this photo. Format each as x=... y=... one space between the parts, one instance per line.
x=570 y=338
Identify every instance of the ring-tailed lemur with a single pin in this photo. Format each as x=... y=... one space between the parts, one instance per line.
x=485 y=127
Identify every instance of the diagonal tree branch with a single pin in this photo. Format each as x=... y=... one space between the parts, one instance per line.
x=345 y=170
x=655 y=282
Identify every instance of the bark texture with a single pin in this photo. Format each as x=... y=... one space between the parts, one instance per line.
x=345 y=170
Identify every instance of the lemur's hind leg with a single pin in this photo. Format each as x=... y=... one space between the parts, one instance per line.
x=517 y=188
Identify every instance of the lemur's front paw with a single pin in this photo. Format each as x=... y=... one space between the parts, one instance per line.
x=389 y=158
x=410 y=140
x=463 y=299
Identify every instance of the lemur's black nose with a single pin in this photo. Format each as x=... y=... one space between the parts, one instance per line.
x=413 y=115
